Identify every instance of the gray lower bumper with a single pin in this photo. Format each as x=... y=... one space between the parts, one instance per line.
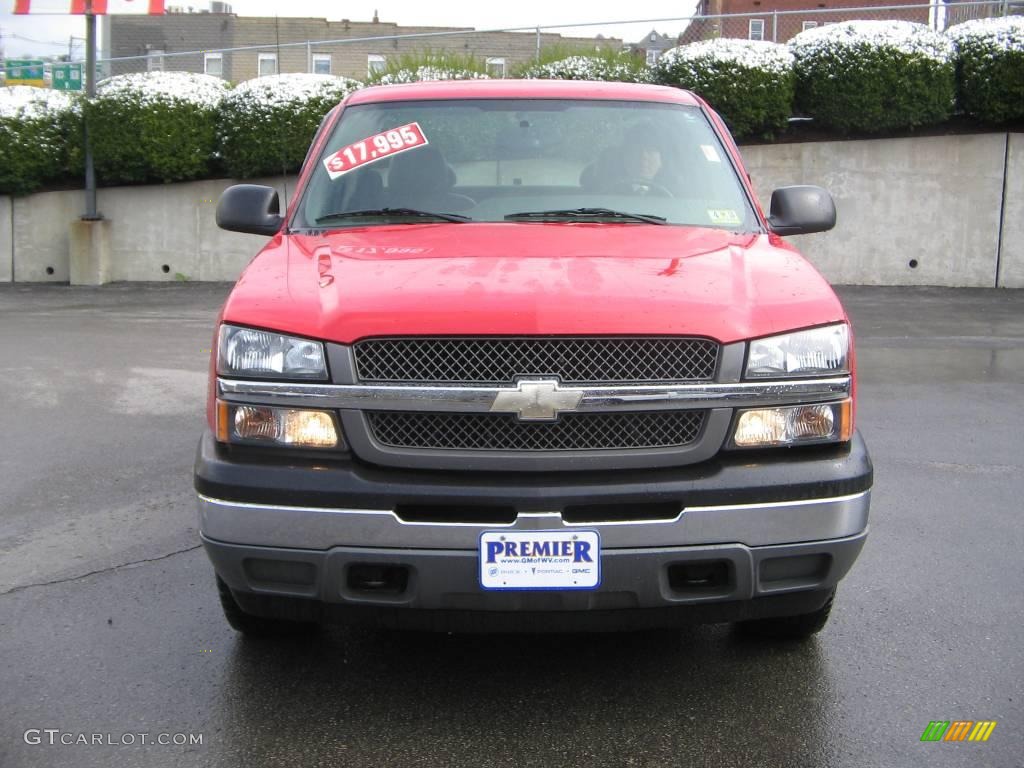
x=447 y=579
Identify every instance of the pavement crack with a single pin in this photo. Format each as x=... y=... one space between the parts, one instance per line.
x=100 y=570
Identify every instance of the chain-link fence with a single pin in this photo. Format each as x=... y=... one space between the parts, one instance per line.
x=359 y=50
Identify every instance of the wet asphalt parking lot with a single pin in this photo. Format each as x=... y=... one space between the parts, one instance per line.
x=109 y=622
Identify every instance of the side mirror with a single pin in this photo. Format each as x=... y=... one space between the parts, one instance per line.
x=801 y=210
x=250 y=208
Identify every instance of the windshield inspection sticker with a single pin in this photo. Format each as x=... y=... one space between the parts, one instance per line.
x=710 y=153
x=373 y=148
x=724 y=216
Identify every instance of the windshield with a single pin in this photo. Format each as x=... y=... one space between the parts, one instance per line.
x=524 y=160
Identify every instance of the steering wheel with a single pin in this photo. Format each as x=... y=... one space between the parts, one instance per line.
x=639 y=186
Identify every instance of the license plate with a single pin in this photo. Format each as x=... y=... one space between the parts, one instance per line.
x=540 y=560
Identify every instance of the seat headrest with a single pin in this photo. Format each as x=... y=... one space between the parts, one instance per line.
x=420 y=170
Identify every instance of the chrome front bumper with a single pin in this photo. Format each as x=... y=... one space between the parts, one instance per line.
x=318 y=528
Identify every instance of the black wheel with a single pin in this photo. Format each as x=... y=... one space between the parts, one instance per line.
x=258 y=626
x=789 y=627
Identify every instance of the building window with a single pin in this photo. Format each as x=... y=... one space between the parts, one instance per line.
x=155 y=62
x=652 y=57
x=267 y=64
x=375 y=63
x=654 y=37
x=809 y=25
x=496 y=68
x=756 y=29
x=321 y=63
x=213 y=64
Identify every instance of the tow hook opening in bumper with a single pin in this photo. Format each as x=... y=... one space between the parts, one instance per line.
x=377 y=580
x=701 y=578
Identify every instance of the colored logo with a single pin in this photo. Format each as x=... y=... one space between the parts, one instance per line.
x=958 y=730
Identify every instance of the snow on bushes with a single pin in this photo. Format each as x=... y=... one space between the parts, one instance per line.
x=40 y=137
x=990 y=67
x=874 y=76
x=618 y=69
x=426 y=72
x=266 y=124
x=748 y=82
x=154 y=126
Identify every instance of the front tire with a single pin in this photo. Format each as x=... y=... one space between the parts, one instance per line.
x=258 y=626
x=789 y=627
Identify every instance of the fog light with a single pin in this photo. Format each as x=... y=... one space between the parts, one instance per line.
x=282 y=426
x=765 y=427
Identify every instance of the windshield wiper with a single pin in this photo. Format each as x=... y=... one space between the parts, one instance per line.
x=586 y=213
x=452 y=217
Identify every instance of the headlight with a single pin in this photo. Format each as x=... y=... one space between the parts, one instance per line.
x=263 y=425
x=248 y=352
x=794 y=425
x=819 y=351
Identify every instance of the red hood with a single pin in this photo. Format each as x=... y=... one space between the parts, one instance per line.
x=530 y=279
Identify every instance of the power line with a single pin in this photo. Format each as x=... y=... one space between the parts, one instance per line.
x=15 y=36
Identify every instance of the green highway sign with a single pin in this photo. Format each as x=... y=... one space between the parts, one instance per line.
x=66 y=77
x=24 y=72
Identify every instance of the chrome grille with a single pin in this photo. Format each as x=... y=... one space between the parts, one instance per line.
x=504 y=432
x=501 y=360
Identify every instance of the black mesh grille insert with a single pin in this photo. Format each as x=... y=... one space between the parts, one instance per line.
x=505 y=432
x=502 y=360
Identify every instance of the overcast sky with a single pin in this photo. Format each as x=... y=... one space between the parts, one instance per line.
x=49 y=34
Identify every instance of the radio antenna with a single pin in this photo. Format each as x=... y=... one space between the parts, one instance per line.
x=284 y=151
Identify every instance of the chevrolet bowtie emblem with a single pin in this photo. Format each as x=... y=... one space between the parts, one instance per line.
x=537 y=400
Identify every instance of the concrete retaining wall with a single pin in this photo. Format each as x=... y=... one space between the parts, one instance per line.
x=41 y=225
x=6 y=241
x=160 y=232
x=1011 y=247
x=178 y=236
x=920 y=211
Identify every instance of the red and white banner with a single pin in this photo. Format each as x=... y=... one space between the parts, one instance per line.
x=99 y=7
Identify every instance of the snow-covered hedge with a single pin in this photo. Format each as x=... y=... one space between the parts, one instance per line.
x=266 y=124
x=40 y=138
x=154 y=126
x=589 y=68
x=426 y=72
x=990 y=67
x=874 y=76
x=749 y=82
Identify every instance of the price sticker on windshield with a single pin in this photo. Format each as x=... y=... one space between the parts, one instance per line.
x=373 y=148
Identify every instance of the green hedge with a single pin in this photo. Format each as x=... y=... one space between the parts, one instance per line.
x=158 y=126
x=266 y=124
x=990 y=68
x=748 y=82
x=40 y=138
x=429 y=65
x=604 y=67
x=864 y=77
x=874 y=76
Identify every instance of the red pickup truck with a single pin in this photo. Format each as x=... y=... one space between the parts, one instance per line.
x=528 y=355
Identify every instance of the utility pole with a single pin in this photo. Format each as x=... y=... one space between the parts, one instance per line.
x=90 y=92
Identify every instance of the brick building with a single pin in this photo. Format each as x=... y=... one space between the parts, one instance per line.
x=209 y=31
x=764 y=24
